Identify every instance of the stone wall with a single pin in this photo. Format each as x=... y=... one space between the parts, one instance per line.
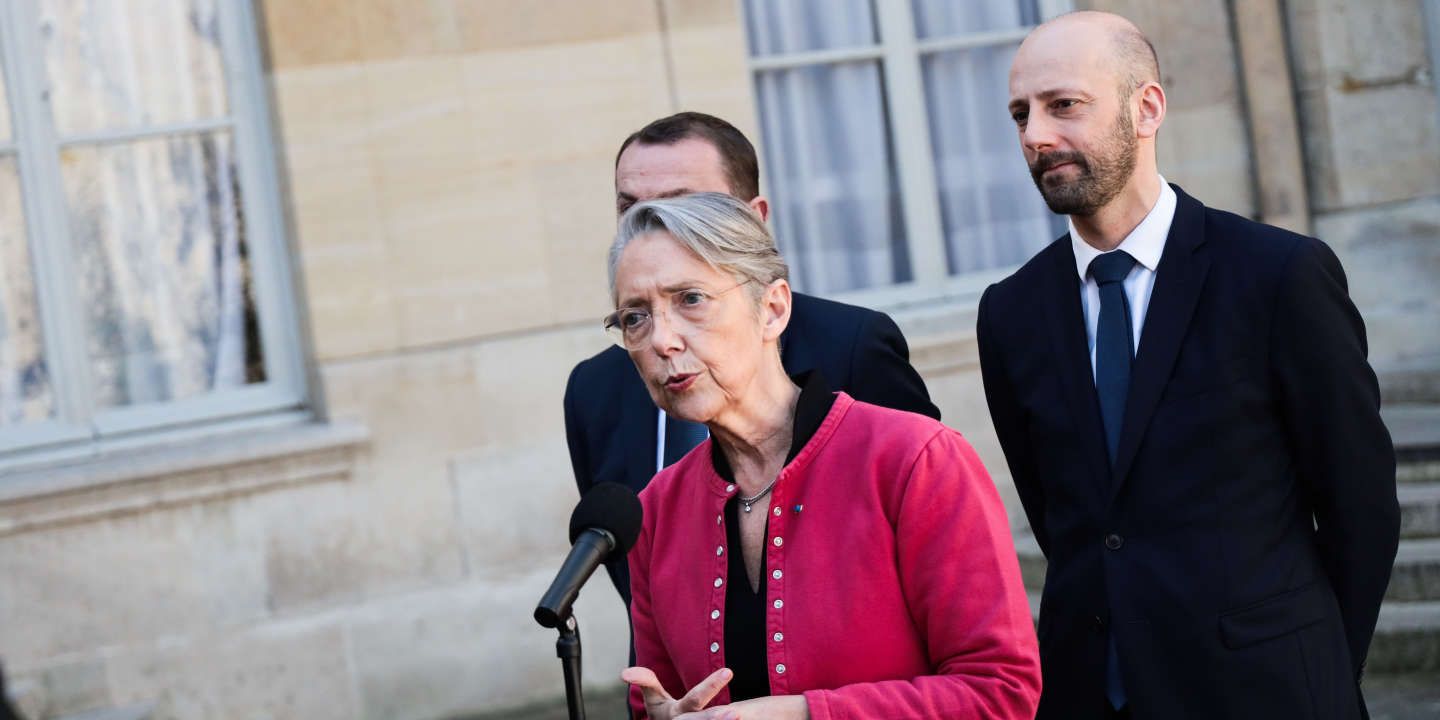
x=1368 y=124
x=1371 y=126
x=454 y=263
x=448 y=171
x=1203 y=145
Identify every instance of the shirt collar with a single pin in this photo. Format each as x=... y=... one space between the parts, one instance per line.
x=1145 y=243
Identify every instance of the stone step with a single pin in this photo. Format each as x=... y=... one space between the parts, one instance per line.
x=1415 y=430
x=1415 y=383
x=1419 y=509
x=1407 y=638
x=1416 y=576
x=1412 y=472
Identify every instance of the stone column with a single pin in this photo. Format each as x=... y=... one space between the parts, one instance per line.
x=1269 y=96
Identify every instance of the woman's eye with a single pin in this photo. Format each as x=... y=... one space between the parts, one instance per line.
x=691 y=298
x=632 y=319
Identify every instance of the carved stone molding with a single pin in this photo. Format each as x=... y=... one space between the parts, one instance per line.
x=197 y=471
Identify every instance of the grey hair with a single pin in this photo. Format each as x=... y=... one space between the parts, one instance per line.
x=724 y=232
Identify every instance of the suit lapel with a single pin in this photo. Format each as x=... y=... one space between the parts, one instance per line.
x=1066 y=321
x=1178 y=281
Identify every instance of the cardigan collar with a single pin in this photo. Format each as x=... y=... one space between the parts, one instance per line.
x=811 y=407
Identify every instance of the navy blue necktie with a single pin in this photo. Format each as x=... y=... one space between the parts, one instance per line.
x=1114 y=347
x=681 y=436
x=1114 y=350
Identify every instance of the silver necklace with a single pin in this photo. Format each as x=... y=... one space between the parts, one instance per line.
x=748 y=501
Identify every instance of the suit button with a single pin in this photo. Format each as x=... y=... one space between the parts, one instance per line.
x=1099 y=622
x=1114 y=541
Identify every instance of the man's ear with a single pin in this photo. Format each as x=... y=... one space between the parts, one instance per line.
x=761 y=206
x=1152 y=110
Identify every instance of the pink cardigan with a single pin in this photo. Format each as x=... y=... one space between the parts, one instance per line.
x=893 y=588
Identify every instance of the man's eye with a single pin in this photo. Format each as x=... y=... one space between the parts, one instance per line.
x=1019 y=117
x=1065 y=103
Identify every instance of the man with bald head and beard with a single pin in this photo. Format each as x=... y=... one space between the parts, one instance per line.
x=1184 y=401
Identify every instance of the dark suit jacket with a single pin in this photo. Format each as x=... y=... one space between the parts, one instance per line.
x=1239 y=548
x=610 y=420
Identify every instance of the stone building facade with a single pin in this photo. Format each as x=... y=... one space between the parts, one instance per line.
x=444 y=168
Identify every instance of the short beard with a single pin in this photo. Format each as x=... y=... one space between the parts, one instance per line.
x=1101 y=177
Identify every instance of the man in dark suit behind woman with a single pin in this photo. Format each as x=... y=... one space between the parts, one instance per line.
x=1185 y=404
x=615 y=432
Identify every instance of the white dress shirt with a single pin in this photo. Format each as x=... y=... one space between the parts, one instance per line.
x=660 y=441
x=1145 y=243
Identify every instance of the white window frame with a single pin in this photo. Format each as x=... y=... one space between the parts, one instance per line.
x=900 y=53
x=78 y=428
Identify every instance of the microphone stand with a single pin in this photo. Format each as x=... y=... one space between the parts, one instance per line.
x=567 y=648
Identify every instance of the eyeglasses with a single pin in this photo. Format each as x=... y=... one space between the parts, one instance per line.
x=690 y=310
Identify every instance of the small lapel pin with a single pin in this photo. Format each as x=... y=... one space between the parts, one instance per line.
x=798 y=508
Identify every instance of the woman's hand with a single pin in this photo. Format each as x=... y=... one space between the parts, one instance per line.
x=775 y=707
x=658 y=703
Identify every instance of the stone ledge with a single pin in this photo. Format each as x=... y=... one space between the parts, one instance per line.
x=940 y=331
x=944 y=354
x=1418 y=384
x=208 y=469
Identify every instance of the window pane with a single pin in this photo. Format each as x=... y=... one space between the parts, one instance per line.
x=25 y=394
x=947 y=18
x=788 y=26
x=991 y=212
x=832 y=180
x=115 y=65
x=163 y=268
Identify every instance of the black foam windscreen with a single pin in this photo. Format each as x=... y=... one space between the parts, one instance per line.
x=612 y=507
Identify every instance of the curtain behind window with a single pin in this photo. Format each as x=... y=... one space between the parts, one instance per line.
x=156 y=222
x=992 y=215
x=832 y=174
x=835 y=198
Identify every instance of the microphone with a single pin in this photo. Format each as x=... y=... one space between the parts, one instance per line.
x=605 y=523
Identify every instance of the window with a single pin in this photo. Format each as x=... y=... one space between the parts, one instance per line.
x=889 y=155
x=143 y=276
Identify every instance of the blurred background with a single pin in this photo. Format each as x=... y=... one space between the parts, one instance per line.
x=290 y=289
